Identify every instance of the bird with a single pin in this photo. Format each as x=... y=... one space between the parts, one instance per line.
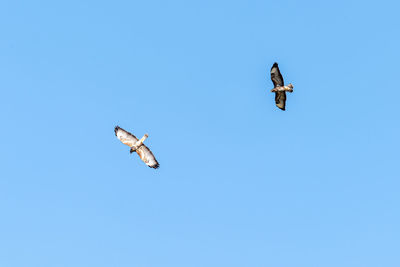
x=137 y=146
x=279 y=87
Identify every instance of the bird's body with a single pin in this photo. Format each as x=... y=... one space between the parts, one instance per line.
x=279 y=87
x=137 y=146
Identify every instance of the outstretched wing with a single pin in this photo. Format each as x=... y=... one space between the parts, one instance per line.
x=147 y=156
x=280 y=99
x=276 y=75
x=125 y=137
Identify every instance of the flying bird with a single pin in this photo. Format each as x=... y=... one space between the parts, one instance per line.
x=279 y=87
x=137 y=146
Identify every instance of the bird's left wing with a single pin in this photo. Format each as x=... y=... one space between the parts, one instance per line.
x=125 y=137
x=280 y=100
x=276 y=75
x=147 y=156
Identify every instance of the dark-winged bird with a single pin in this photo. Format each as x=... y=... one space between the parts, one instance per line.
x=137 y=146
x=279 y=87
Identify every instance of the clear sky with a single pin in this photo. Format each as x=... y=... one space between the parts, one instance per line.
x=241 y=182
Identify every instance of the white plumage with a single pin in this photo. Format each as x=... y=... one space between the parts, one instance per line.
x=137 y=146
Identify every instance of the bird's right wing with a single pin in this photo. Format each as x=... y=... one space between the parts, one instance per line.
x=125 y=137
x=276 y=75
x=147 y=156
x=280 y=99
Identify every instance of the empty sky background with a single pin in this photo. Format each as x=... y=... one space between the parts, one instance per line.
x=241 y=182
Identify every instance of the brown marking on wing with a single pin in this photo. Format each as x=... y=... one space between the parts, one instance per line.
x=127 y=142
x=125 y=137
x=147 y=157
x=280 y=100
x=276 y=75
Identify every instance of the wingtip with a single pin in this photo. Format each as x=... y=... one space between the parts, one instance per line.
x=155 y=166
x=281 y=108
x=116 y=129
x=275 y=64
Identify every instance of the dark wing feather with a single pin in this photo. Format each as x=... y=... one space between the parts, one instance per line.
x=276 y=75
x=280 y=99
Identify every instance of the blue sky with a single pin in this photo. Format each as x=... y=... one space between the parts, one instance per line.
x=241 y=183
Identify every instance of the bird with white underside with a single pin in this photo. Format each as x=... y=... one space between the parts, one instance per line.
x=137 y=146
